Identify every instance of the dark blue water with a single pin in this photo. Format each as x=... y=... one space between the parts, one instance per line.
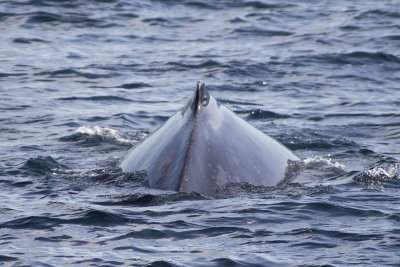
x=81 y=81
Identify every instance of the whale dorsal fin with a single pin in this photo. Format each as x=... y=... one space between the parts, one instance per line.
x=201 y=97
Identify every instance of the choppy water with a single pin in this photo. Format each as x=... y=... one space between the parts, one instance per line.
x=82 y=81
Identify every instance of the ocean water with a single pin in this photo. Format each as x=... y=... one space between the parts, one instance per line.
x=81 y=81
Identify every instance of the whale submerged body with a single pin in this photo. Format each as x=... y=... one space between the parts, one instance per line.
x=206 y=146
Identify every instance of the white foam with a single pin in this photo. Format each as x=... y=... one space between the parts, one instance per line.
x=328 y=161
x=105 y=134
x=382 y=173
x=376 y=177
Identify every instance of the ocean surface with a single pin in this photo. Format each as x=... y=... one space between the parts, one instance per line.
x=81 y=81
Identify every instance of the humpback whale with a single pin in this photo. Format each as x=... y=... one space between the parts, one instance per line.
x=204 y=147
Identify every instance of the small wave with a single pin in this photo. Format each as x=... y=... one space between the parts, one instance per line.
x=376 y=177
x=4 y=258
x=234 y=102
x=42 y=17
x=337 y=210
x=155 y=120
x=4 y=74
x=355 y=58
x=42 y=165
x=231 y=87
x=144 y=234
x=106 y=133
x=259 y=114
x=312 y=140
x=56 y=239
x=158 y=19
x=43 y=118
x=101 y=133
x=32 y=222
x=215 y=5
x=361 y=57
x=393 y=37
x=196 y=65
x=237 y=20
x=255 y=31
x=316 y=144
x=88 y=217
x=263 y=5
x=4 y=15
x=377 y=13
x=284 y=190
x=152 y=39
x=201 y=4
x=29 y=40
x=128 y=15
x=349 y=28
x=181 y=235
x=116 y=177
x=146 y=199
x=14 y=107
x=109 y=179
x=325 y=161
x=97 y=98
x=255 y=260
x=68 y=73
x=355 y=77
x=134 y=85
x=98 y=261
x=106 y=1
x=312 y=245
x=97 y=217
x=31 y=148
x=314 y=169
x=107 y=98
x=368 y=115
x=45 y=3
x=97 y=118
x=247 y=69
x=136 y=249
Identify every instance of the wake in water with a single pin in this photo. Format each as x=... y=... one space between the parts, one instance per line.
x=309 y=176
x=306 y=177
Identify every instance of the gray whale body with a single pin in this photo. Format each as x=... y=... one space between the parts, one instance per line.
x=206 y=146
